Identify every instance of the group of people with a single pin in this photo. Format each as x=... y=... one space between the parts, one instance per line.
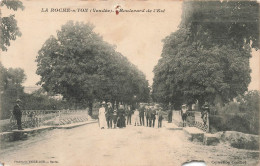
x=143 y=115
x=118 y=117
x=110 y=117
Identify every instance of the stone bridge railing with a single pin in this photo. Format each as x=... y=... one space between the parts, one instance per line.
x=194 y=119
x=37 y=118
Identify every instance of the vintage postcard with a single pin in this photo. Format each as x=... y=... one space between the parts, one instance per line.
x=129 y=83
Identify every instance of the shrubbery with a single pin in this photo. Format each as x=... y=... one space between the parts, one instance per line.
x=242 y=115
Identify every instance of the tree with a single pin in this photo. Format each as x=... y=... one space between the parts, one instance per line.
x=10 y=88
x=9 y=29
x=187 y=73
x=207 y=59
x=82 y=67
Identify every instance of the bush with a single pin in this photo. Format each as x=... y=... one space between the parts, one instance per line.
x=242 y=116
x=230 y=122
x=240 y=140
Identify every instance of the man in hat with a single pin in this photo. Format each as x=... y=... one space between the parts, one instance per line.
x=109 y=115
x=18 y=114
x=115 y=116
x=184 y=110
x=160 y=117
x=141 y=114
x=129 y=113
x=147 y=115
x=153 y=115
x=204 y=112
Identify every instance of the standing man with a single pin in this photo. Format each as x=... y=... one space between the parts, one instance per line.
x=184 y=115
x=160 y=117
x=115 y=116
x=153 y=113
x=18 y=114
x=146 y=114
x=129 y=113
x=109 y=115
x=205 y=112
x=149 y=114
x=141 y=114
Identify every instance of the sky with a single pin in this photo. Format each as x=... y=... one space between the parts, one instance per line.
x=138 y=36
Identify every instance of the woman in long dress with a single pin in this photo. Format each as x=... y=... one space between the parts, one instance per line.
x=136 y=117
x=121 y=117
x=102 y=116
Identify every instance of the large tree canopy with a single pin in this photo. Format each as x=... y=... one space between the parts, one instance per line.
x=207 y=59
x=9 y=29
x=82 y=67
x=222 y=22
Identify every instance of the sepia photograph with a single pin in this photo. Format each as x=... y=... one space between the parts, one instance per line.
x=129 y=83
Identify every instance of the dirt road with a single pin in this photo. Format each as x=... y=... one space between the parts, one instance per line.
x=131 y=146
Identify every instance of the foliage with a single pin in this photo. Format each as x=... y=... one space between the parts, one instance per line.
x=231 y=122
x=249 y=102
x=9 y=29
x=82 y=67
x=10 y=87
x=242 y=115
x=36 y=101
x=186 y=73
x=207 y=59
x=235 y=23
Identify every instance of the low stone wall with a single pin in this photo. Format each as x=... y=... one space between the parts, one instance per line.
x=21 y=134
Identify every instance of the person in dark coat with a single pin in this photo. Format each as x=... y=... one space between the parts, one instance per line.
x=141 y=114
x=109 y=115
x=184 y=114
x=153 y=114
x=129 y=113
x=146 y=115
x=160 y=117
x=18 y=114
x=115 y=117
x=149 y=115
x=205 y=112
x=121 y=117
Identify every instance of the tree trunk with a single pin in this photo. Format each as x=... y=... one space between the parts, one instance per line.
x=200 y=104
x=219 y=100
x=90 y=105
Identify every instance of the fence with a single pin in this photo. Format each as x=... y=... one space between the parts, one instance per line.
x=194 y=119
x=37 y=118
